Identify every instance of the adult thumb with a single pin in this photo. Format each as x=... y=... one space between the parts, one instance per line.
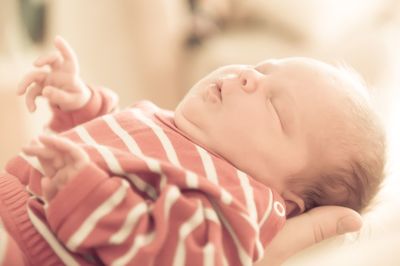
x=331 y=221
x=309 y=228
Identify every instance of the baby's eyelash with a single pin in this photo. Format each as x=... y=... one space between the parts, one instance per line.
x=261 y=69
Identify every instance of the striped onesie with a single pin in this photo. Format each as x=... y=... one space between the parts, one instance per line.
x=150 y=196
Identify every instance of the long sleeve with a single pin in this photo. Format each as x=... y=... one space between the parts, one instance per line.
x=102 y=101
x=153 y=197
x=178 y=228
x=10 y=254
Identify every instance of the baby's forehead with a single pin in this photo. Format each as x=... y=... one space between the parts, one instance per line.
x=303 y=65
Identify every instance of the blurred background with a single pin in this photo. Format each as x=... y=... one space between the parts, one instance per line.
x=156 y=49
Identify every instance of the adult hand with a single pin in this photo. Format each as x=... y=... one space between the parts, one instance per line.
x=61 y=84
x=61 y=160
x=308 y=229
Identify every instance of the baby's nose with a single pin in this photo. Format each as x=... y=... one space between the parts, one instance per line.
x=248 y=79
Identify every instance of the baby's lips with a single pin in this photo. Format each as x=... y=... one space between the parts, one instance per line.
x=213 y=93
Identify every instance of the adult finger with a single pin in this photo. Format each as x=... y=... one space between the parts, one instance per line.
x=33 y=93
x=331 y=221
x=33 y=77
x=67 y=53
x=310 y=228
x=53 y=60
x=64 y=145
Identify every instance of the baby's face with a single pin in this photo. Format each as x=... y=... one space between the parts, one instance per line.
x=264 y=119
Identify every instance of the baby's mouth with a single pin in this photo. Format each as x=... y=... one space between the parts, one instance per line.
x=214 y=92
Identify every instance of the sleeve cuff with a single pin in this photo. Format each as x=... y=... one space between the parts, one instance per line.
x=90 y=110
x=73 y=194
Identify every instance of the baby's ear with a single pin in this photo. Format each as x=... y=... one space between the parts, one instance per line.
x=294 y=203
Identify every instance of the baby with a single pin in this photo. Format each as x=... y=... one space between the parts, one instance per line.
x=211 y=182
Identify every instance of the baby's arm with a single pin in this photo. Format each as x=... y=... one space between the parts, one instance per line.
x=93 y=212
x=61 y=160
x=70 y=99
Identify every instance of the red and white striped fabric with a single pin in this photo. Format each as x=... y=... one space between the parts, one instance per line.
x=10 y=254
x=150 y=196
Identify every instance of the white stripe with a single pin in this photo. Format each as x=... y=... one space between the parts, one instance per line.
x=186 y=228
x=107 y=155
x=134 y=149
x=172 y=195
x=256 y=228
x=209 y=255
x=131 y=144
x=211 y=215
x=244 y=258
x=130 y=222
x=248 y=195
x=144 y=239
x=90 y=223
x=140 y=241
x=141 y=185
x=251 y=207
x=165 y=142
x=208 y=165
x=47 y=234
x=33 y=161
x=211 y=174
x=191 y=180
x=113 y=164
x=226 y=197
x=267 y=212
x=167 y=145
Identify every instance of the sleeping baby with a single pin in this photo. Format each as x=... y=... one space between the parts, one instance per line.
x=210 y=183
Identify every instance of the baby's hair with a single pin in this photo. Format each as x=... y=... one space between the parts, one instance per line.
x=355 y=178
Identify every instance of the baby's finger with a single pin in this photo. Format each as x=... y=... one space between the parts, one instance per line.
x=34 y=76
x=67 y=52
x=31 y=96
x=45 y=156
x=64 y=145
x=57 y=96
x=39 y=151
x=49 y=189
x=60 y=179
x=53 y=60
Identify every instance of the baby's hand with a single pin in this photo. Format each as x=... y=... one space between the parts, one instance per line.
x=61 y=84
x=61 y=160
